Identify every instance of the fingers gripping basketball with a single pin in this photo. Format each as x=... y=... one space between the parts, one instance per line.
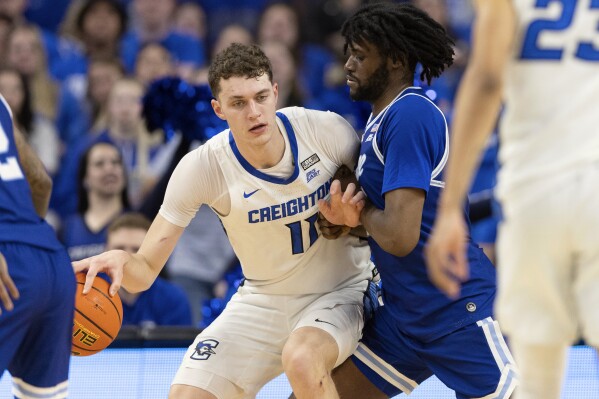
x=98 y=317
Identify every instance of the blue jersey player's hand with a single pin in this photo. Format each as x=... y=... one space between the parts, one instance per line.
x=8 y=289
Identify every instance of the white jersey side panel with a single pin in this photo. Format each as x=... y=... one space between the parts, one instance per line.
x=551 y=121
x=272 y=222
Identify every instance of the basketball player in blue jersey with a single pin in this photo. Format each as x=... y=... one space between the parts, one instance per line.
x=299 y=310
x=419 y=331
x=542 y=59
x=37 y=331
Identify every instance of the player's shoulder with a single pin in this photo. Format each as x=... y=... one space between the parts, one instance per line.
x=415 y=104
x=209 y=151
x=313 y=116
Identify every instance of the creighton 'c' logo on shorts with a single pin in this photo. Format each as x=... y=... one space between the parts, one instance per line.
x=204 y=349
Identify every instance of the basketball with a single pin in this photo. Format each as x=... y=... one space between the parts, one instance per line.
x=98 y=317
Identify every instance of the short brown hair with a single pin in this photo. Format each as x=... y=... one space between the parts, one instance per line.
x=238 y=60
x=130 y=220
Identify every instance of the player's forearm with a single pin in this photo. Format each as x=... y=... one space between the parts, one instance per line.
x=391 y=236
x=142 y=268
x=139 y=274
x=35 y=173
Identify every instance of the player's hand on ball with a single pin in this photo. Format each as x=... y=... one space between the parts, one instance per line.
x=343 y=207
x=345 y=177
x=110 y=262
x=329 y=230
x=8 y=289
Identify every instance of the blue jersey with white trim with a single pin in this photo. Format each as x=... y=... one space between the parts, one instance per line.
x=18 y=220
x=406 y=146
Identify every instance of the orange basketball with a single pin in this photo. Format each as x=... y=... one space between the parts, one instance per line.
x=98 y=317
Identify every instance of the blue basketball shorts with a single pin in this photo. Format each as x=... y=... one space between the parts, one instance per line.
x=474 y=361
x=35 y=337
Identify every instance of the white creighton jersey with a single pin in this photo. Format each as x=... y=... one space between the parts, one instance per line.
x=270 y=215
x=551 y=120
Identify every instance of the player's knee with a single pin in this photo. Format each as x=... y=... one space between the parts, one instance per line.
x=303 y=362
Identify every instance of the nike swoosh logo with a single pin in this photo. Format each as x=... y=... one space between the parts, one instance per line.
x=248 y=195
x=322 y=321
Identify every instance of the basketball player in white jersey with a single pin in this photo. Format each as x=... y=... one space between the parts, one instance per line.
x=300 y=307
x=542 y=59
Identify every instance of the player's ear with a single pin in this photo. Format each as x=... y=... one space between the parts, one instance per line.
x=397 y=63
x=275 y=89
x=217 y=109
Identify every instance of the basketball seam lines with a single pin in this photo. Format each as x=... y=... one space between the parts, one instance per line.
x=94 y=323
x=109 y=300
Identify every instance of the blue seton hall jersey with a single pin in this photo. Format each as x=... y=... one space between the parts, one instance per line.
x=406 y=146
x=18 y=220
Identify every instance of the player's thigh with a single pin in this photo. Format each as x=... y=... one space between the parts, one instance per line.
x=340 y=314
x=473 y=361
x=387 y=358
x=49 y=297
x=535 y=301
x=218 y=388
x=243 y=346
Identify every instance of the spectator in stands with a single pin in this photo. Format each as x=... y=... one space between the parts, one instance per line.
x=163 y=304
x=280 y=22
x=102 y=196
x=96 y=30
x=153 y=22
x=153 y=62
x=284 y=74
x=6 y=25
x=102 y=74
x=26 y=54
x=126 y=129
x=40 y=132
x=190 y=20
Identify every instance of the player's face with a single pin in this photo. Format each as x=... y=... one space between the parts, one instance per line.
x=366 y=72
x=249 y=107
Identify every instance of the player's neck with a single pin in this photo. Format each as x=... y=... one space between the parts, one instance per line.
x=388 y=95
x=265 y=155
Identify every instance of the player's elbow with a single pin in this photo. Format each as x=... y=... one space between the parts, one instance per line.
x=401 y=245
x=488 y=81
x=41 y=185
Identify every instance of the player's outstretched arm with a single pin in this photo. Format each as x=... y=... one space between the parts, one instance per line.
x=40 y=182
x=135 y=272
x=476 y=109
x=8 y=289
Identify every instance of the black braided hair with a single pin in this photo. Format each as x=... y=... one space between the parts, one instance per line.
x=402 y=32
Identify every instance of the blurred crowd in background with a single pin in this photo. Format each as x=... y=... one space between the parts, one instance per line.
x=74 y=73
